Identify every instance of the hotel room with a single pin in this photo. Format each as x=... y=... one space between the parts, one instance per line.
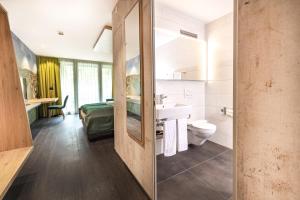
x=149 y=99
x=58 y=79
x=62 y=69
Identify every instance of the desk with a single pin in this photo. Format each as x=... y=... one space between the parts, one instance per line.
x=11 y=163
x=30 y=106
x=42 y=100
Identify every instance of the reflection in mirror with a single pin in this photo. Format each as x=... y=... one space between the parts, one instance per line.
x=28 y=80
x=187 y=53
x=24 y=89
x=134 y=91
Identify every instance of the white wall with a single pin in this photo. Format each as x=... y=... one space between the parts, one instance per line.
x=184 y=92
x=219 y=87
x=173 y=20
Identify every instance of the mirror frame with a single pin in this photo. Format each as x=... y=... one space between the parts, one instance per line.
x=140 y=4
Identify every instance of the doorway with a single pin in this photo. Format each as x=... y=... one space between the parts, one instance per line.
x=194 y=62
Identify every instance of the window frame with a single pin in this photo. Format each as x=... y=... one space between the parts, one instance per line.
x=75 y=77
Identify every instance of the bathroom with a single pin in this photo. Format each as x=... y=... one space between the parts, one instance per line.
x=194 y=99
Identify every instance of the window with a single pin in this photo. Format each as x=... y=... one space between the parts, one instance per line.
x=85 y=82
x=67 y=85
x=88 y=83
x=106 y=82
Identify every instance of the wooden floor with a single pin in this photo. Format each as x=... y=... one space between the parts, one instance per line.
x=201 y=173
x=64 y=165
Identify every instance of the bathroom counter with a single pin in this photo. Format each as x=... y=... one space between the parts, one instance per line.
x=11 y=163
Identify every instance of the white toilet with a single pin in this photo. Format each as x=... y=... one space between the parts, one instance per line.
x=199 y=131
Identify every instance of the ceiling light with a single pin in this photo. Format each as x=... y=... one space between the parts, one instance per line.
x=104 y=41
x=60 y=33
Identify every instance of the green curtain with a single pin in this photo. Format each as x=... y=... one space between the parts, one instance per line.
x=49 y=82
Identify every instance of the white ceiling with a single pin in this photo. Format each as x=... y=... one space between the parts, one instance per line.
x=205 y=10
x=36 y=23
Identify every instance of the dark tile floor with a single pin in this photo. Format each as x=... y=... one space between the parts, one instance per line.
x=201 y=173
x=64 y=165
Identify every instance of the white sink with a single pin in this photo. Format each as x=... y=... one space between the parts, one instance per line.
x=166 y=105
x=173 y=111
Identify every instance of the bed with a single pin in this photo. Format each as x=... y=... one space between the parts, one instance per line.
x=97 y=120
x=133 y=104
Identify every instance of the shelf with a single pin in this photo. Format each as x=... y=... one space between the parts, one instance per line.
x=11 y=163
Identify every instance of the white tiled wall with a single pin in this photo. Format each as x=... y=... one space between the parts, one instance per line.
x=219 y=87
x=184 y=92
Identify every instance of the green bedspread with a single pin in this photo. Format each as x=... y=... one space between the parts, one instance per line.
x=99 y=119
x=88 y=108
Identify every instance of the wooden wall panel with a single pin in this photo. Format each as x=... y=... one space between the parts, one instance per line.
x=140 y=160
x=14 y=126
x=267 y=100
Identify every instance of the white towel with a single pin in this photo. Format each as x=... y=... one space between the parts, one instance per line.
x=182 y=137
x=170 y=138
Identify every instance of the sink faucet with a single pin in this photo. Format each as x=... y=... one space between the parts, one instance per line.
x=161 y=98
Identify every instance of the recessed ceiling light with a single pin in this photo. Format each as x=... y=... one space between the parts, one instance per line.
x=60 y=33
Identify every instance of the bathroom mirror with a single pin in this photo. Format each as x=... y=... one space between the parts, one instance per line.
x=179 y=55
x=134 y=71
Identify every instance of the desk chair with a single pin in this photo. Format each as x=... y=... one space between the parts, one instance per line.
x=58 y=107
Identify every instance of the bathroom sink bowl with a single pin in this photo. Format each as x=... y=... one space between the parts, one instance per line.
x=164 y=106
x=173 y=111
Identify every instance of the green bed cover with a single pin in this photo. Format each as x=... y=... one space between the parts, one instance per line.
x=99 y=119
x=89 y=108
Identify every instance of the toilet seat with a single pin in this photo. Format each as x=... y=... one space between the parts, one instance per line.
x=197 y=122
x=199 y=131
x=203 y=124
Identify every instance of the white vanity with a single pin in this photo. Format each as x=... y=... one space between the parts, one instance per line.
x=166 y=113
